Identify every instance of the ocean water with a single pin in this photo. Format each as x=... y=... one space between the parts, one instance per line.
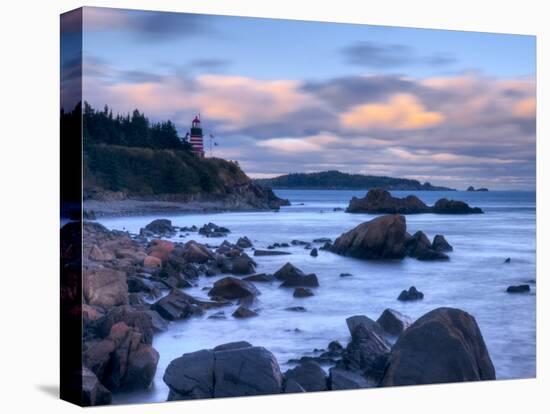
x=475 y=279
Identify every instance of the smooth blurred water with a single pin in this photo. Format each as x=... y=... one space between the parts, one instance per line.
x=475 y=279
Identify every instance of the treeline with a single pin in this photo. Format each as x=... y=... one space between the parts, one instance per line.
x=130 y=130
x=340 y=180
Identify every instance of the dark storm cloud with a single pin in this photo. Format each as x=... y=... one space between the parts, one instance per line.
x=380 y=56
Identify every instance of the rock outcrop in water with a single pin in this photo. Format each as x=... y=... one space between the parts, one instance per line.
x=385 y=237
x=379 y=201
x=445 y=345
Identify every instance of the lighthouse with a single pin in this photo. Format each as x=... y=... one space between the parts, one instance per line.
x=195 y=138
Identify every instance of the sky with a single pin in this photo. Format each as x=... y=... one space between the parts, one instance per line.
x=280 y=96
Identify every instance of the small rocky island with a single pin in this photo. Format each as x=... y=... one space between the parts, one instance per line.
x=379 y=201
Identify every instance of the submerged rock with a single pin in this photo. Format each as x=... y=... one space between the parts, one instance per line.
x=314 y=252
x=410 y=295
x=212 y=230
x=244 y=312
x=260 y=277
x=518 y=289
x=294 y=277
x=444 y=345
x=269 y=253
x=445 y=206
x=244 y=242
x=302 y=292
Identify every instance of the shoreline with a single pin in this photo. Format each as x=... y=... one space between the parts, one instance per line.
x=129 y=207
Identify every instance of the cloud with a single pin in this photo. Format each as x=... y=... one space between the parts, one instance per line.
x=468 y=128
x=402 y=111
x=380 y=56
x=147 y=26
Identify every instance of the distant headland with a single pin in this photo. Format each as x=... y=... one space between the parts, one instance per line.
x=336 y=180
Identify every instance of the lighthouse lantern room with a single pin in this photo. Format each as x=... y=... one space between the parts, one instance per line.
x=195 y=138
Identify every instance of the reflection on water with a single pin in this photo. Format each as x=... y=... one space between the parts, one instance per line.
x=474 y=280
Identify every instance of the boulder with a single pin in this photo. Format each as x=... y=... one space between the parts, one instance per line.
x=340 y=379
x=212 y=230
x=244 y=312
x=160 y=227
x=508 y=260
x=93 y=392
x=243 y=265
x=365 y=322
x=440 y=244
x=302 y=292
x=518 y=289
x=196 y=253
x=177 y=305
x=410 y=295
x=244 y=242
x=393 y=322
x=417 y=244
x=251 y=370
x=379 y=201
x=151 y=261
x=444 y=206
x=381 y=238
x=260 y=277
x=191 y=376
x=161 y=249
x=122 y=360
x=294 y=277
x=314 y=252
x=103 y=286
x=232 y=288
x=269 y=253
x=309 y=375
x=367 y=352
x=144 y=321
x=444 y=345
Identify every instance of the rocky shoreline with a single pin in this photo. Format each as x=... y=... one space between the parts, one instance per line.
x=134 y=286
x=245 y=197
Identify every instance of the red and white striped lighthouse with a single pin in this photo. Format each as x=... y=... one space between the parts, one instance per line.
x=195 y=138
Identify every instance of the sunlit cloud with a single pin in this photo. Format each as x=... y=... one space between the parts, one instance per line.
x=402 y=111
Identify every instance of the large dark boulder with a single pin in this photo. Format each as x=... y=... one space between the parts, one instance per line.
x=196 y=253
x=419 y=246
x=213 y=230
x=393 y=322
x=309 y=375
x=232 y=288
x=251 y=370
x=191 y=376
x=229 y=370
x=244 y=242
x=381 y=238
x=357 y=321
x=444 y=345
x=445 y=206
x=294 y=277
x=379 y=201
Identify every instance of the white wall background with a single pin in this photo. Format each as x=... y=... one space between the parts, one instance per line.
x=29 y=96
